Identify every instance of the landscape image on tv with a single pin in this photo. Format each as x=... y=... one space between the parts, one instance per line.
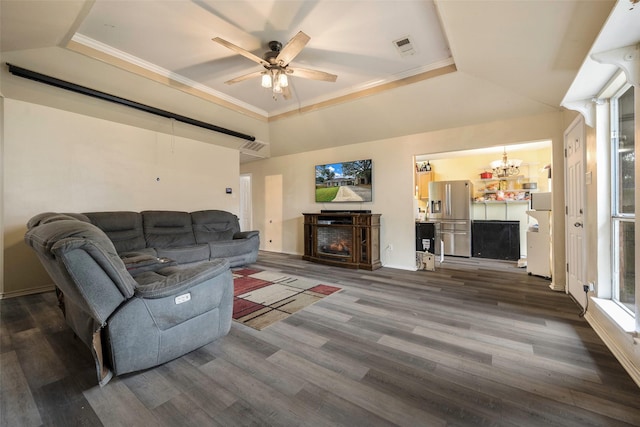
x=344 y=182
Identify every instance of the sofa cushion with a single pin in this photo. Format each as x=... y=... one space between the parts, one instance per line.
x=231 y=248
x=167 y=229
x=185 y=254
x=214 y=225
x=123 y=228
x=172 y=280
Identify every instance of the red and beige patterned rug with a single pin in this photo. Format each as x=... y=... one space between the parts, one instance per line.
x=262 y=298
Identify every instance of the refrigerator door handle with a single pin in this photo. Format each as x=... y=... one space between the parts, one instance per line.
x=447 y=195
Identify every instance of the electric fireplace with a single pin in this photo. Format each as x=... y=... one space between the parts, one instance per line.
x=346 y=239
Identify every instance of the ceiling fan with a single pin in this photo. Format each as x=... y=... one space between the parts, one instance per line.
x=276 y=64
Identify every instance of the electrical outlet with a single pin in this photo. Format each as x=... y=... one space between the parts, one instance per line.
x=589 y=287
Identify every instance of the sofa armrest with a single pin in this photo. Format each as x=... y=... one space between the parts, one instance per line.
x=245 y=234
x=174 y=280
x=140 y=263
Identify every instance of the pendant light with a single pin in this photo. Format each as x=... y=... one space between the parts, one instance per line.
x=505 y=168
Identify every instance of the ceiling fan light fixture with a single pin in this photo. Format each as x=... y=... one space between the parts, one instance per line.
x=276 y=63
x=266 y=80
x=283 y=80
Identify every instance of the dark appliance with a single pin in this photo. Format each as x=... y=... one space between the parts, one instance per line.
x=496 y=239
x=426 y=237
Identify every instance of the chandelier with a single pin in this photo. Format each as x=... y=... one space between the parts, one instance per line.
x=276 y=79
x=505 y=167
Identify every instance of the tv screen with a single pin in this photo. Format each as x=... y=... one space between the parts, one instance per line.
x=344 y=182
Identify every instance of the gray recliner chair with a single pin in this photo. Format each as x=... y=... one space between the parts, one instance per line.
x=130 y=323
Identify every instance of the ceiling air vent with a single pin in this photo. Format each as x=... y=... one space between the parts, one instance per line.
x=254 y=146
x=404 y=46
x=253 y=150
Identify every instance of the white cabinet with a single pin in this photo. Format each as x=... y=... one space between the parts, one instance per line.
x=539 y=244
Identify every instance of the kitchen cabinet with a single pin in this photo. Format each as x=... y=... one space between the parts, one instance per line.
x=422 y=182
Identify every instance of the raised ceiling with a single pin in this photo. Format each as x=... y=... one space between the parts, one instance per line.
x=353 y=39
x=506 y=59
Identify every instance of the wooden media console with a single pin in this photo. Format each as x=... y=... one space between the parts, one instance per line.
x=344 y=239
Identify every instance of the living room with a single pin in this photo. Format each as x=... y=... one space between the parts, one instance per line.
x=69 y=153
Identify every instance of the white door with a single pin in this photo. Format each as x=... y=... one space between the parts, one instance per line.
x=246 y=216
x=574 y=141
x=273 y=209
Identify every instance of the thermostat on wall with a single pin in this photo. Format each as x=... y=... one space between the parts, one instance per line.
x=228 y=190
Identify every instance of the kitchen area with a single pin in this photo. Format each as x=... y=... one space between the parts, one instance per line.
x=489 y=203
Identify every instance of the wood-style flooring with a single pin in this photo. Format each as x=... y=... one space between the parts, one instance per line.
x=474 y=343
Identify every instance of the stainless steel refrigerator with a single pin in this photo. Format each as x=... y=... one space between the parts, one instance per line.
x=450 y=205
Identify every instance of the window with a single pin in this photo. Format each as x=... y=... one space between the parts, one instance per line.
x=623 y=156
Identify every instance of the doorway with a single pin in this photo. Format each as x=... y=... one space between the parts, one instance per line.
x=492 y=203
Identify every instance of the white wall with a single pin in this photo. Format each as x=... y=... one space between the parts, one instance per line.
x=1 y=191
x=392 y=179
x=56 y=160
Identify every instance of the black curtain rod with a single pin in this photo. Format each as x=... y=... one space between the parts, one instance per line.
x=32 y=75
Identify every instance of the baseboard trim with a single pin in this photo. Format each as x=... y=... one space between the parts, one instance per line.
x=31 y=291
x=612 y=344
x=556 y=287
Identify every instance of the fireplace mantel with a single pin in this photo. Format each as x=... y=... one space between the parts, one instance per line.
x=344 y=239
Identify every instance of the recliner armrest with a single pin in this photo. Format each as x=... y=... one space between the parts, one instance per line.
x=173 y=280
x=140 y=263
x=245 y=234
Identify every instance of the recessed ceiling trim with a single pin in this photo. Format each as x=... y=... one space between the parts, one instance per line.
x=122 y=60
x=383 y=84
x=96 y=50
x=370 y=91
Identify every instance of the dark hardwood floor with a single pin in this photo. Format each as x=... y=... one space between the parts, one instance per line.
x=473 y=343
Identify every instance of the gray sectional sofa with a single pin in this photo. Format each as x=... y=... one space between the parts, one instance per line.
x=179 y=236
x=140 y=289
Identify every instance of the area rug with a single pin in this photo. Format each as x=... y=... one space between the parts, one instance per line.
x=262 y=297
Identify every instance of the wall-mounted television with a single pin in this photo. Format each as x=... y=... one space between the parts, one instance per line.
x=344 y=182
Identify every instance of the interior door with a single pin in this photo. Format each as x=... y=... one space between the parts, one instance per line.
x=246 y=216
x=574 y=192
x=273 y=209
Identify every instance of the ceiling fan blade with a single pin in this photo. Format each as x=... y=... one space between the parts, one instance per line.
x=244 y=77
x=292 y=49
x=312 y=74
x=241 y=51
